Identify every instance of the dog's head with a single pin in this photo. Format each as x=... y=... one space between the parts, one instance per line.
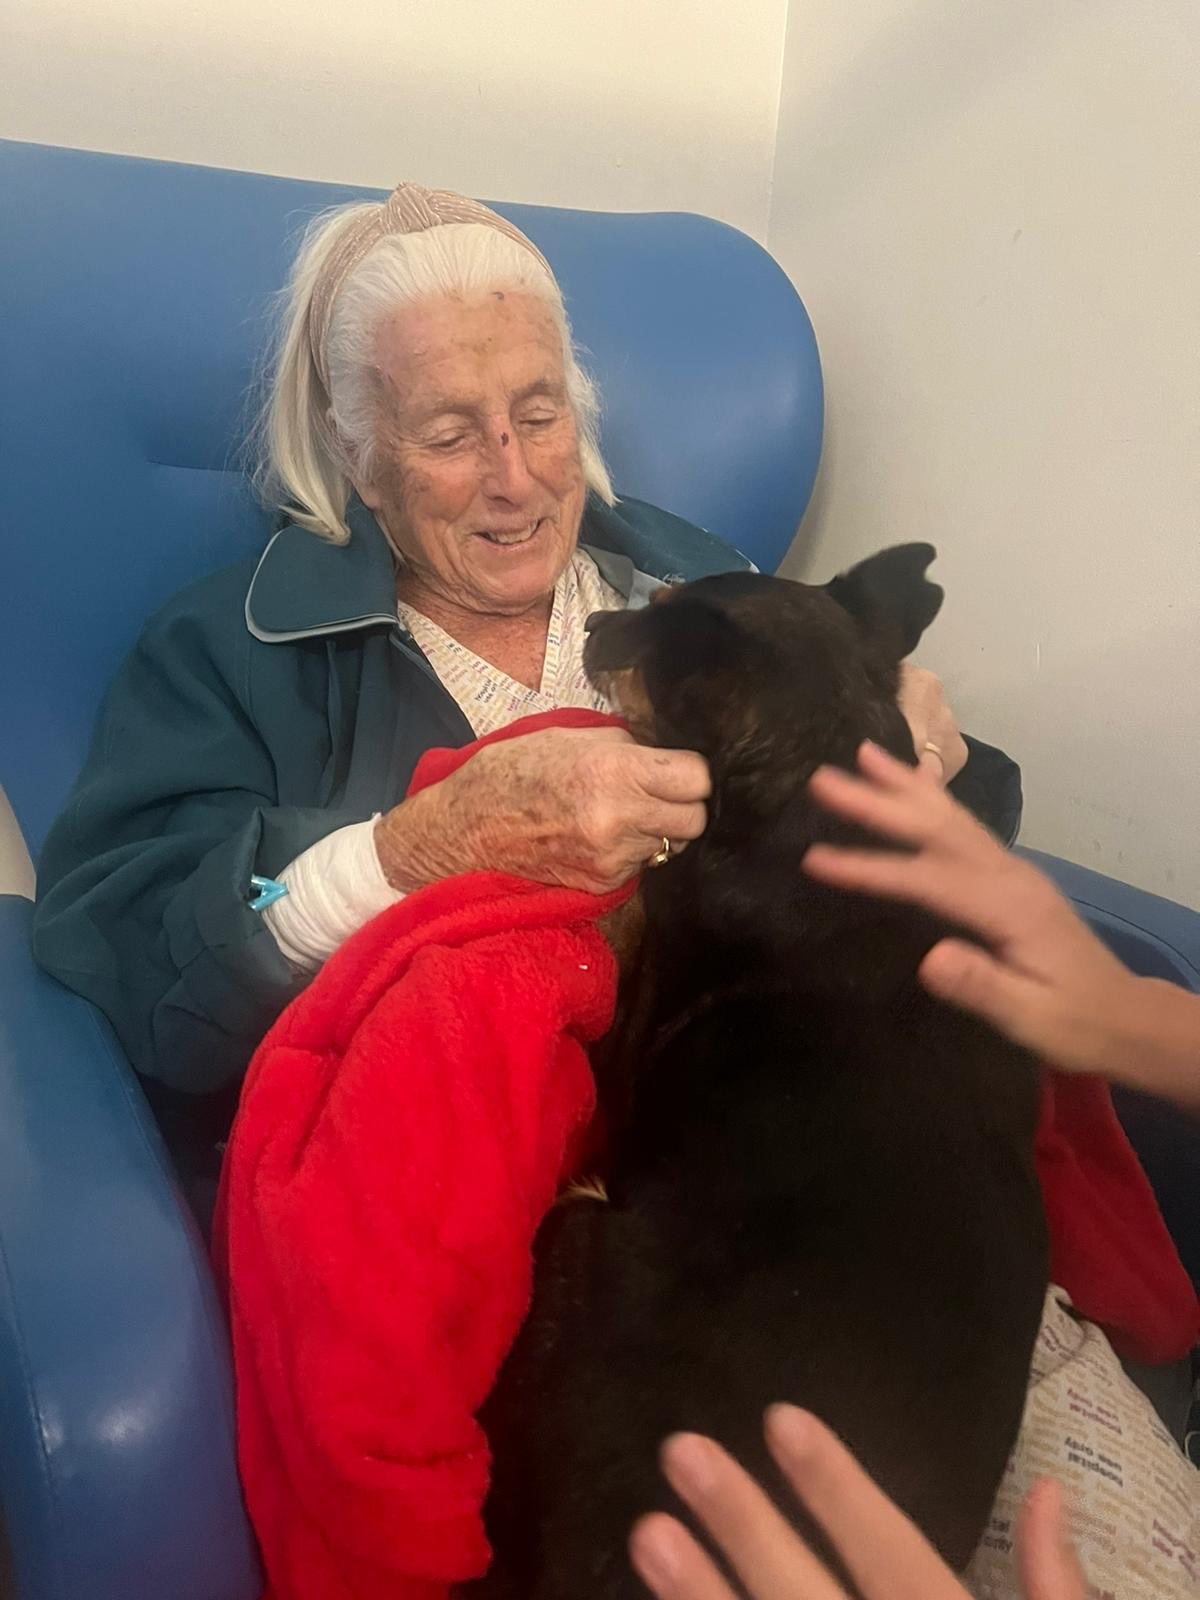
x=768 y=678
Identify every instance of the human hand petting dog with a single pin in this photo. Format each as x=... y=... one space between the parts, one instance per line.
x=1043 y=979
x=585 y=808
x=941 y=748
x=883 y=1552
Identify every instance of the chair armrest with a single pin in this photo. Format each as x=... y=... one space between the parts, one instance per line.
x=117 y=1462
x=1157 y=939
x=1154 y=937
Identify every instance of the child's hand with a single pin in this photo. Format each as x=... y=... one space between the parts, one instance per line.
x=883 y=1552
x=1044 y=979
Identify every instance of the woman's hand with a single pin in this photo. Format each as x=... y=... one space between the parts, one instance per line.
x=941 y=748
x=584 y=808
x=883 y=1552
x=1044 y=979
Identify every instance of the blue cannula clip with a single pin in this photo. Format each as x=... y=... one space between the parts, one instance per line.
x=267 y=891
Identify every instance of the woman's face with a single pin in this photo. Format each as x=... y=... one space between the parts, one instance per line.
x=478 y=480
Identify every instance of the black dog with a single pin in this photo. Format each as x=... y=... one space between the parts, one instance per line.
x=822 y=1186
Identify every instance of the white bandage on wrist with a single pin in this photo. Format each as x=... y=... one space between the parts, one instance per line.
x=334 y=888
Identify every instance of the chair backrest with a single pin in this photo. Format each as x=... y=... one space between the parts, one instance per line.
x=132 y=299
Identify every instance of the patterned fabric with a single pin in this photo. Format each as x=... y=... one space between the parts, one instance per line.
x=1133 y=1500
x=489 y=698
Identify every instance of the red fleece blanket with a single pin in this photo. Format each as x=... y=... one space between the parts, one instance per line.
x=1109 y=1246
x=403 y=1129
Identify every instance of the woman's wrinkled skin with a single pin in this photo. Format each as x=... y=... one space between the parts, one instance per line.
x=481 y=487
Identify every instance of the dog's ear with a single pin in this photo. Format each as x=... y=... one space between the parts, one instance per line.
x=890 y=597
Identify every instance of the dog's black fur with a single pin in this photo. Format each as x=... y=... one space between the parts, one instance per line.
x=822 y=1187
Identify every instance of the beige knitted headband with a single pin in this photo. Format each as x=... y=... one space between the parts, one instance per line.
x=410 y=208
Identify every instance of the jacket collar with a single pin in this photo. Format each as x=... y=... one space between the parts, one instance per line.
x=304 y=586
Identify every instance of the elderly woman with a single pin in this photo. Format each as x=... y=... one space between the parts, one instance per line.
x=448 y=526
x=432 y=441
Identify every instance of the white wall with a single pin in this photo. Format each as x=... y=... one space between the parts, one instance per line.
x=993 y=212
x=612 y=104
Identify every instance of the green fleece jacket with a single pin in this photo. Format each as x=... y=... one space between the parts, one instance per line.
x=262 y=708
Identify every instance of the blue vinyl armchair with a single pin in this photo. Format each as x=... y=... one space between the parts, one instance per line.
x=131 y=304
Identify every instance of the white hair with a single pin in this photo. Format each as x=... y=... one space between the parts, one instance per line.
x=305 y=460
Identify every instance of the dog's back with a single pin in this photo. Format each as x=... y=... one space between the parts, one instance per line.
x=822 y=1191
x=849 y=1221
